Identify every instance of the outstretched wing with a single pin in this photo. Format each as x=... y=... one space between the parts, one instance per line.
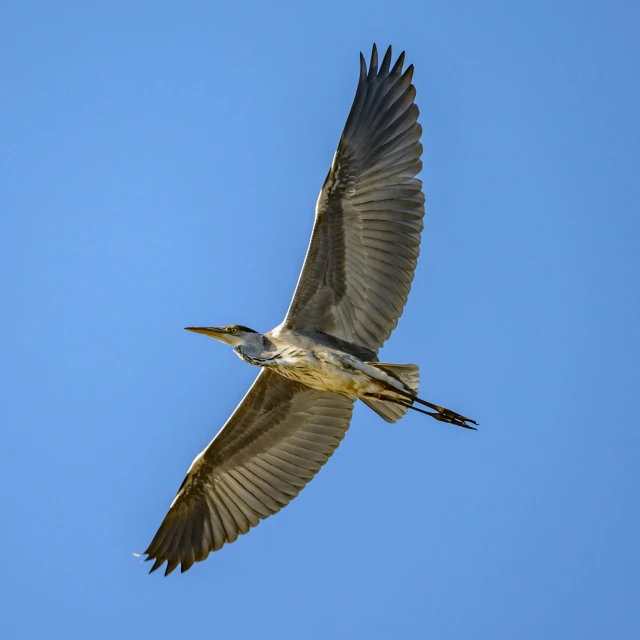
x=277 y=439
x=365 y=242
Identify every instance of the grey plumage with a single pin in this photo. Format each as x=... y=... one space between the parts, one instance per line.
x=352 y=289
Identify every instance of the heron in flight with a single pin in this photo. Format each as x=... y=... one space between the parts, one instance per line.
x=352 y=289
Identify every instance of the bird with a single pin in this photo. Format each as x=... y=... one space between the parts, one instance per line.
x=352 y=289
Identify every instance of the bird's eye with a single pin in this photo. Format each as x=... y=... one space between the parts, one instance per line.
x=233 y=330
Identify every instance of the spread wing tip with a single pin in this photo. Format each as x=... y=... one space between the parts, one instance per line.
x=172 y=563
x=373 y=69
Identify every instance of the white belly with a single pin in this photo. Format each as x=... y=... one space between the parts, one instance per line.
x=331 y=371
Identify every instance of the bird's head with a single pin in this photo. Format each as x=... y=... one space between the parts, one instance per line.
x=233 y=334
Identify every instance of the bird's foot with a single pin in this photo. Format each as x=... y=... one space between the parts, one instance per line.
x=453 y=418
x=441 y=414
x=446 y=415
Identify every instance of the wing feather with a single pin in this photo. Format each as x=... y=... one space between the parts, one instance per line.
x=272 y=446
x=366 y=238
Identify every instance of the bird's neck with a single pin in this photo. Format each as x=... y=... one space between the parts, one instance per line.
x=257 y=350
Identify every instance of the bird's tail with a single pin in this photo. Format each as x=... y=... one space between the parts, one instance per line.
x=409 y=376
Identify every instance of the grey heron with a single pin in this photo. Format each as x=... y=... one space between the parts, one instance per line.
x=352 y=289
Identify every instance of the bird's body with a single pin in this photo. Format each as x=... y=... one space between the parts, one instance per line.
x=353 y=287
x=317 y=361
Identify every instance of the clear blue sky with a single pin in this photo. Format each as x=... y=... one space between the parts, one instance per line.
x=154 y=155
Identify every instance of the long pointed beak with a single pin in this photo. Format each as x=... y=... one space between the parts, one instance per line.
x=212 y=332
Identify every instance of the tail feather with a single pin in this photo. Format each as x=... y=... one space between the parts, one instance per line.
x=409 y=376
x=388 y=411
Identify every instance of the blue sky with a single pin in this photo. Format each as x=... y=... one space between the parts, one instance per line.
x=155 y=154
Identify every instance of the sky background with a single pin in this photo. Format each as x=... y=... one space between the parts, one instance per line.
x=155 y=155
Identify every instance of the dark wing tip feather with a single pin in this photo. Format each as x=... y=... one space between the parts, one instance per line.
x=172 y=563
x=156 y=565
x=386 y=62
x=373 y=66
x=397 y=67
x=408 y=74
